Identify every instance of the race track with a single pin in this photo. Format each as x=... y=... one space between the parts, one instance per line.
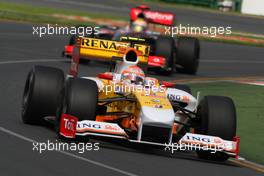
x=184 y=16
x=20 y=51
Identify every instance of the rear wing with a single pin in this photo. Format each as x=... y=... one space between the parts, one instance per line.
x=107 y=49
x=162 y=18
x=100 y=49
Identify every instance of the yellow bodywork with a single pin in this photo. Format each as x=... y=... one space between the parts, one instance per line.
x=143 y=99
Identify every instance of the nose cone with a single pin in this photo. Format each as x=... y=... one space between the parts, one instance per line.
x=156 y=125
x=157 y=117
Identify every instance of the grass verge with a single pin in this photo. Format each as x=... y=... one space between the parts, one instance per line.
x=20 y=12
x=249 y=101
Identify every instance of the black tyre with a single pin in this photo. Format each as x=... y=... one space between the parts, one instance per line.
x=183 y=87
x=218 y=118
x=164 y=46
x=41 y=94
x=80 y=99
x=187 y=55
x=73 y=39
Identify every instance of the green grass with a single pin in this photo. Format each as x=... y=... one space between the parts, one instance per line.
x=20 y=12
x=249 y=101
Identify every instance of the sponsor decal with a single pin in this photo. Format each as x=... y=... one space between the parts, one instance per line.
x=182 y=98
x=155 y=17
x=205 y=140
x=104 y=44
x=155 y=100
x=68 y=125
x=99 y=127
x=159 y=16
x=113 y=45
x=217 y=140
x=198 y=138
x=156 y=61
x=89 y=125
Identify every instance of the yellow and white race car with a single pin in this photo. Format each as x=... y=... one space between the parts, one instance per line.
x=127 y=105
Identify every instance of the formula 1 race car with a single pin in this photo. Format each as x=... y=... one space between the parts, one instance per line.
x=125 y=104
x=181 y=53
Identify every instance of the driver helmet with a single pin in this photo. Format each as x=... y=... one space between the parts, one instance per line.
x=140 y=24
x=133 y=75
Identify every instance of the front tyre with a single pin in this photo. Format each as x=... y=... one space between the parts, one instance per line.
x=41 y=94
x=217 y=118
x=80 y=99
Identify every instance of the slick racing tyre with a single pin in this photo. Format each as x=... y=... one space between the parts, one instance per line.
x=187 y=55
x=164 y=47
x=217 y=118
x=41 y=93
x=80 y=99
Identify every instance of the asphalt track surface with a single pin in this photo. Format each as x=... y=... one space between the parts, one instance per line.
x=184 y=16
x=20 y=50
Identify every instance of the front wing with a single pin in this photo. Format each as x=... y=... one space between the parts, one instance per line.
x=70 y=127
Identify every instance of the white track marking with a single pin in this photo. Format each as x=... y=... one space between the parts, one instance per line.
x=69 y=154
x=233 y=61
x=31 y=61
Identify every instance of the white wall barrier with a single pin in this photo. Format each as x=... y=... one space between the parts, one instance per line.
x=254 y=7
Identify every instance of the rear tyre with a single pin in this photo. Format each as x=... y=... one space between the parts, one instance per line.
x=80 y=99
x=217 y=118
x=164 y=46
x=187 y=55
x=41 y=94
